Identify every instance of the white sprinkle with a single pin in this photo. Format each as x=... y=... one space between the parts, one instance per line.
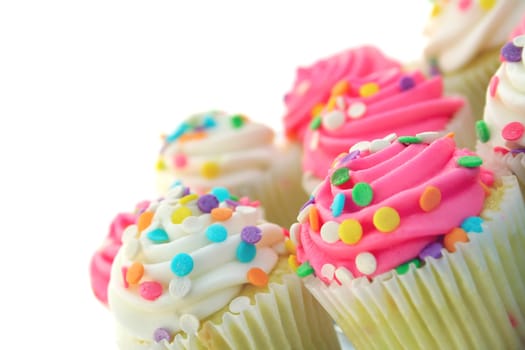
x=356 y=110
x=343 y=275
x=314 y=141
x=191 y=224
x=327 y=271
x=333 y=120
x=329 y=232
x=340 y=102
x=366 y=263
x=130 y=232
x=390 y=137
x=180 y=286
x=132 y=248
x=378 y=145
x=245 y=210
x=519 y=41
x=303 y=214
x=362 y=146
x=189 y=324
x=317 y=188
x=239 y=304
x=428 y=136
x=294 y=232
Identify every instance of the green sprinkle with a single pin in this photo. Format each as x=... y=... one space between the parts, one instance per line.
x=470 y=161
x=340 y=176
x=237 y=121
x=403 y=268
x=305 y=269
x=362 y=194
x=316 y=122
x=234 y=198
x=482 y=130
x=409 y=139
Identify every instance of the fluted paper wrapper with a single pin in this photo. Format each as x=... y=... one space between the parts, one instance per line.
x=473 y=298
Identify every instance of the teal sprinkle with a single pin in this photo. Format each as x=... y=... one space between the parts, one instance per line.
x=338 y=204
x=216 y=233
x=175 y=183
x=245 y=252
x=182 y=264
x=209 y=122
x=178 y=133
x=221 y=193
x=472 y=224
x=158 y=235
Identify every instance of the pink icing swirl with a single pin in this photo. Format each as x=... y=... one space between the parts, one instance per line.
x=398 y=175
x=313 y=84
x=405 y=104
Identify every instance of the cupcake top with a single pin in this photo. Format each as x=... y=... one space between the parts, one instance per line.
x=460 y=30
x=384 y=102
x=187 y=257
x=217 y=149
x=504 y=116
x=315 y=85
x=377 y=211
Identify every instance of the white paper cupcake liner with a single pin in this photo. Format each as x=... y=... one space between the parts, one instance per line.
x=473 y=298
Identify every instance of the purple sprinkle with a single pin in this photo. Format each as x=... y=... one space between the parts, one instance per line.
x=308 y=202
x=434 y=71
x=433 y=250
x=251 y=234
x=231 y=203
x=200 y=128
x=406 y=83
x=350 y=156
x=161 y=334
x=207 y=202
x=186 y=191
x=517 y=150
x=511 y=53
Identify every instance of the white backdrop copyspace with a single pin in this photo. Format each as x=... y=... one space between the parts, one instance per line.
x=86 y=90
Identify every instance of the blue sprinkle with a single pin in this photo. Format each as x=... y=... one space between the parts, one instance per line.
x=472 y=224
x=216 y=233
x=178 y=133
x=221 y=193
x=338 y=204
x=181 y=264
x=209 y=121
x=158 y=235
x=175 y=183
x=245 y=252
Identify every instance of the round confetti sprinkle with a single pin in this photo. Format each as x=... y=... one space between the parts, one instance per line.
x=329 y=232
x=511 y=53
x=161 y=334
x=340 y=176
x=181 y=264
x=144 y=220
x=386 y=219
x=189 y=324
x=406 y=83
x=350 y=231
x=340 y=88
x=482 y=130
x=257 y=277
x=180 y=161
x=366 y=263
x=431 y=250
x=368 y=89
x=180 y=287
x=180 y=214
x=239 y=304
x=430 y=198
x=313 y=217
x=207 y=202
x=158 y=235
x=470 y=161
x=315 y=123
x=216 y=233
x=472 y=224
x=210 y=170
x=251 y=234
x=221 y=214
x=192 y=224
x=464 y=4
x=487 y=4
x=237 y=121
x=356 y=110
x=338 y=204
x=150 y=290
x=160 y=165
x=456 y=235
x=135 y=273
x=245 y=252
x=403 y=268
x=362 y=194
x=209 y=122
x=513 y=131
x=328 y=271
x=333 y=120
x=493 y=85
x=343 y=275
x=221 y=193
x=409 y=139
x=519 y=40
x=304 y=269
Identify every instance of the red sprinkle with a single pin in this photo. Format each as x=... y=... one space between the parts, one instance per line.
x=150 y=290
x=493 y=86
x=513 y=131
x=501 y=150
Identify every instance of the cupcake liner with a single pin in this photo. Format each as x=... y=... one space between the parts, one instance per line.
x=473 y=298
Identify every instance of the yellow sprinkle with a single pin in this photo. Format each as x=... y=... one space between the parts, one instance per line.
x=340 y=88
x=210 y=170
x=160 y=165
x=318 y=108
x=293 y=263
x=331 y=103
x=180 y=214
x=436 y=10
x=290 y=247
x=368 y=89
x=386 y=219
x=188 y=198
x=350 y=231
x=487 y=4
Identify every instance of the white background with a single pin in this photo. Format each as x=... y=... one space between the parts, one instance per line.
x=86 y=89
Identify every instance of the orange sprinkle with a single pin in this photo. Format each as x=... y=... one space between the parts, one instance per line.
x=485 y=188
x=331 y=103
x=340 y=88
x=197 y=135
x=318 y=108
x=313 y=216
x=293 y=263
x=430 y=198
x=221 y=214
x=135 y=273
x=450 y=134
x=144 y=220
x=456 y=235
x=257 y=277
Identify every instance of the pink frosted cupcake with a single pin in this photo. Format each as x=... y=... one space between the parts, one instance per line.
x=316 y=84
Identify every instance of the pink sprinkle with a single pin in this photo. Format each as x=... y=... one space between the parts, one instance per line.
x=464 y=4
x=513 y=131
x=501 y=150
x=180 y=160
x=493 y=86
x=124 y=273
x=150 y=290
x=486 y=176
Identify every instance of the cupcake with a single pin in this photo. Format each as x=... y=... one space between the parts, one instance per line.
x=218 y=149
x=207 y=272
x=415 y=246
x=314 y=85
x=384 y=102
x=464 y=38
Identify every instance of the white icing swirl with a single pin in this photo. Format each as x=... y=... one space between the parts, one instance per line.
x=457 y=33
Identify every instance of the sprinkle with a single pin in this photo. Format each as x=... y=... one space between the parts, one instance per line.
x=482 y=131
x=188 y=198
x=317 y=110
x=431 y=250
x=487 y=4
x=160 y=165
x=513 y=131
x=180 y=160
x=332 y=101
x=472 y=224
x=340 y=176
x=350 y=156
x=386 y=219
x=362 y=194
x=293 y=263
x=519 y=41
x=177 y=133
x=356 y=110
x=338 y=204
x=328 y=271
x=132 y=248
x=456 y=235
x=340 y=88
x=239 y=304
x=207 y=202
x=181 y=264
x=290 y=247
x=311 y=200
x=304 y=269
x=210 y=170
x=428 y=136
x=430 y=198
x=245 y=252
x=237 y=121
x=403 y=268
x=180 y=286
x=314 y=140
x=409 y=139
x=150 y=290
x=134 y=273
x=313 y=217
x=511 y=53
x=302 y=217
x=333 y=120
x=362 y=146
x=257 y=277
x=366 y=263
x=180 y=214
x=350 y=231
x=469 y=161
x=209 y=121
x=436 y=10
x=493 y=85
x=464 y=5
x=189 y=324
x=368 y=89
x=221 y=214
x=295 y=229
x=192 y=224
x=501 y=150
x=216 y=233
x=221 y=193
x=406 y=83
x=315 y=123
x=158 y=235
x=343 y=275
x=161 y=334
x=378 y=145
x=144 y=220
x=329 y=232
x=251 y=234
